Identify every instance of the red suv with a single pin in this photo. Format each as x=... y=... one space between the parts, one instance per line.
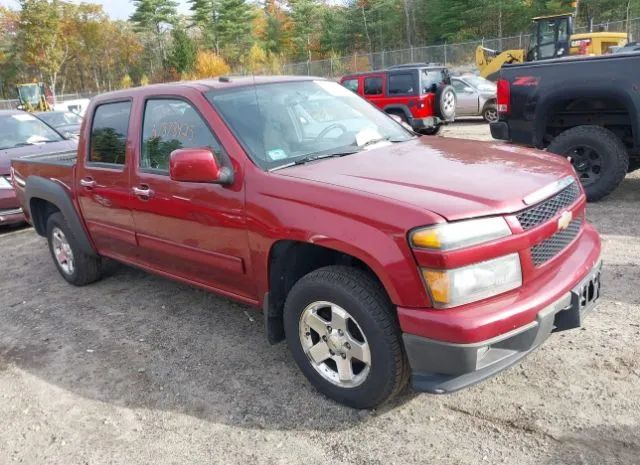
x=420 y=94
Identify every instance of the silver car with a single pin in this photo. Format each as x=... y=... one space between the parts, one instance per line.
x=476 y=96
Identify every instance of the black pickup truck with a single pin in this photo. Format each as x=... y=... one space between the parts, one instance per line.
x=585 y=108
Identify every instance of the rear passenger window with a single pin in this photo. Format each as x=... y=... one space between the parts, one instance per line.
x=109 y=133
x=351 y=84
x=171 y=124
x=373 y=86
x=401 y=84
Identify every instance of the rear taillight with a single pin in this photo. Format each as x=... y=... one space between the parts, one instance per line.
x=504 y=96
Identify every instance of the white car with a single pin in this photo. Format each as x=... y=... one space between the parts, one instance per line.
x=476 y=96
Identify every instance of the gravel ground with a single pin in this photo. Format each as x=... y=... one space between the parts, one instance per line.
x=136 y=369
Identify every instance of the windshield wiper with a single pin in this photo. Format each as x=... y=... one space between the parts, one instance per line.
x=382 y=139
x=314 y=157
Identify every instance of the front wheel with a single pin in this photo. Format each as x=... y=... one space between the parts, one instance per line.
x=598 y=156
x=490 y=114
x=342 y=333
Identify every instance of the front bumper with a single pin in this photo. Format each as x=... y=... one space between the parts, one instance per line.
x=10 y=211
x=442 y=367
x=500 y=130
x=12 y=216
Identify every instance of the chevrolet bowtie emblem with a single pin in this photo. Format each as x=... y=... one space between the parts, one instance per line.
x=565 y=220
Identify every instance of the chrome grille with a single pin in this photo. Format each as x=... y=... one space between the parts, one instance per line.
x=547 y=209
x=544 y=251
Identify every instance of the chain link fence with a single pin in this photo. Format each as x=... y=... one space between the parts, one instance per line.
x=459 y=57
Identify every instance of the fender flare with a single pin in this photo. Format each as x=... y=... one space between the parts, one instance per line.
x=402 y=108
x=544 y=105
x=45 y=189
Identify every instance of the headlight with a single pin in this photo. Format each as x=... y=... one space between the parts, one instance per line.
x=449 y=236
x=450 y=288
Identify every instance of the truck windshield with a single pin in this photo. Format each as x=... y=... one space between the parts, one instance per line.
x=20 y=129
x=284 y=123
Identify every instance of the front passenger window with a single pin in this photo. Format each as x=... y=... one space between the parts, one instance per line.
x=171 y=124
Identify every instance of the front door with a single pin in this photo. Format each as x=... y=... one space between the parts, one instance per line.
x=373 y=89
x=194 y=231
x=467 y=99
x=103 y=186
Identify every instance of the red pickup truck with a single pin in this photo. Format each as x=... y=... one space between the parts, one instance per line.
x=378 y=255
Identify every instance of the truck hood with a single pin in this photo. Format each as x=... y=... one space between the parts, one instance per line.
x=34 y=150
x=454 y=178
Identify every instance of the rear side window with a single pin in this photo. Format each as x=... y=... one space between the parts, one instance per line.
x=109 y=133
x=401 y=84
x=172 y=124
x=351 y=84
x=373 y=86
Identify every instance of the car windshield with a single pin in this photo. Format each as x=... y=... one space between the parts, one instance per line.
x=20 y=129
x=285 y=123
x=480 y=83
x=60 y=118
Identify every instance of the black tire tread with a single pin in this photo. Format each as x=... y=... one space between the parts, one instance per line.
x=88 y=269
x=614 y=147
x=360 y=284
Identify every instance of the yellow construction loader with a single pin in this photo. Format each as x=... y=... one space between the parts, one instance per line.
x=551 y=37
x=32 y=97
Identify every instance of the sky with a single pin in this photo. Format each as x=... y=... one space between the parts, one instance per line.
x=117 y=9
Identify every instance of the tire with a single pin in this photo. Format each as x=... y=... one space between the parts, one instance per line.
x=446 y=103
x=74 y=265
x=431 y=131
x=322 y=298
x=598 y=155
x=490 y=114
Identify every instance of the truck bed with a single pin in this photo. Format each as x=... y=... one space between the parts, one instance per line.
x=59 y=167
x=66 y=158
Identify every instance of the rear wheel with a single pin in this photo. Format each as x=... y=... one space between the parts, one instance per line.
x=74 y=265
x=342 y=333
x=598 y=156
x=431 y=131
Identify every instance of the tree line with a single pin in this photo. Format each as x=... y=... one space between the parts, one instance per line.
x=75 y=47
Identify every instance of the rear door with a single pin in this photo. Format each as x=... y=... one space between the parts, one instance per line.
x=193 y=231
x=103 y=180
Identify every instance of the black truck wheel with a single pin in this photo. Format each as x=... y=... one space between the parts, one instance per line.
x=446 y=103
x=342 y=332
x=74 y=265
x=597 y=154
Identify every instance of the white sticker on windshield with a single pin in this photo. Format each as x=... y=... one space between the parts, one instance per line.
x=366 y=135
x=23 y=117
x=334 y=88
x=277 y=154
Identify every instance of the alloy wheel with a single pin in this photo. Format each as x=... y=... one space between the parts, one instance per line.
x=335 y=344
x=62 y=251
